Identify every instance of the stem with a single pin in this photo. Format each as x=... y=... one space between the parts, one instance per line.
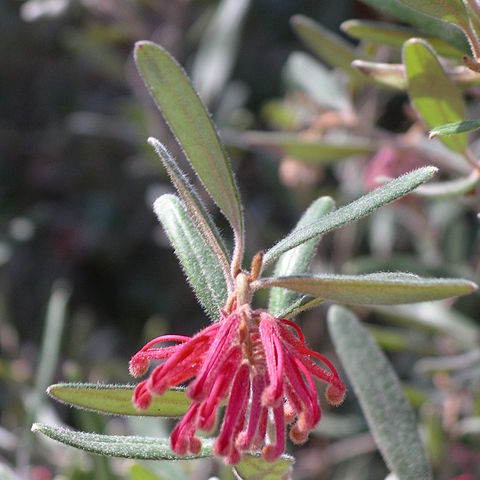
x=243 y=290
x=237 y=257
x=471 y=160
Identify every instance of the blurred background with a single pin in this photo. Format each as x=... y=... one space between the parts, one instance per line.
x=86 y=269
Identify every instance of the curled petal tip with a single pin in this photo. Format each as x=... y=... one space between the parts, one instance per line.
x=335 y=394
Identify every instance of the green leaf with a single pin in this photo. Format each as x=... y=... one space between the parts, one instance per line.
x=390 y=417
x=195 y=208
x=303 y=72
x=315 y=152
x=452 y=11
x=140 y=448
x=297 y=260
x=218 y=48
x=301 y=305
x=394 y=36
x=452 y=188
x=373 y=288
x=454 y=128
x=139 y=472
x=392 y=75
x=426 y=23
x=354 y=211
x=117 y=399
x=436 y=99
x=190 y=122
x=254 y=467
x=329 y=47
x=199 y=263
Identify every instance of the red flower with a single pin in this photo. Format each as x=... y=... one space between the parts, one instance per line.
x=259 y=363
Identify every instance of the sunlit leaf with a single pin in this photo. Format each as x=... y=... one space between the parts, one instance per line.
x=139 y=472
x=454 y=128
x=452 y=11
x=449 y=32
x=328 y=46
x=117 y=399
x=436 y=99
x=376 y=385
x=190 y=122
x=254 y=467
x=315 y=152
x=354 y=211
x=198 y=261
x=394 y=36
x=297 y=260
x=372 y=289
x=140 y=448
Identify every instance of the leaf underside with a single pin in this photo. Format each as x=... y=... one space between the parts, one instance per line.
x=376 y=385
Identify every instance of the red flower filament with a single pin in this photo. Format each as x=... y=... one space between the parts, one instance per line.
x=259 y=364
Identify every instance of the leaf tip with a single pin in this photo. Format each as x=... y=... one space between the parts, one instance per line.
x=432 y=134
x=36 y=427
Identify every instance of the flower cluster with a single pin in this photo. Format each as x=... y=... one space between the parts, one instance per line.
x=255 y=362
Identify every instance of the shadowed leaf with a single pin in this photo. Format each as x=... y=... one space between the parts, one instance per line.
x=390 y=417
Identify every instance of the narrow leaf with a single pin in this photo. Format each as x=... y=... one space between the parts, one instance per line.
x=190 y=122
x=452 y=188
x=218 y=48
x=392 y=75
x=315 y=152
x=199 y=263
x=449 y=32
x=140 y=448
x=117 y=399
x=436 y=99
x=303 y=72
x=452 y=11
x=194 y=207
x=301 y=305
x=372 y=289
x=390 y=417
x=329 y=47
x=394 y=36
x=254 y=467
x=354 y=211
x=454 y=128
x=297 y=260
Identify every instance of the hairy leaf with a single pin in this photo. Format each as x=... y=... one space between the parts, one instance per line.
x=190 y=122
x=194 y=207
x=297 y=260
x=117 y=399
x=390 y=417
x=372 y=289
x=140 y=448
x=436 y=99
x=354 y=211
x=199 y=263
